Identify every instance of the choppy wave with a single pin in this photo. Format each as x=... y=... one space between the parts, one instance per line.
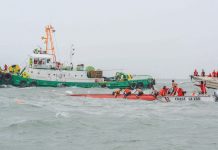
x=46 y=118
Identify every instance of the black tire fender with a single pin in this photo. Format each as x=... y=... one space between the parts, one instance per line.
x=7 y=77
x=1 y=76
x=23 y=84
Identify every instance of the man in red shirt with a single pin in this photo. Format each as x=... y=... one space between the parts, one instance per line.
x=203 y=88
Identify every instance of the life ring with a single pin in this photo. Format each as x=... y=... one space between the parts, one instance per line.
x=7 y=77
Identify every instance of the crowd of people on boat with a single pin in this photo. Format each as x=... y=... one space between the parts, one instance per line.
x=174 y=90
x=203 y=74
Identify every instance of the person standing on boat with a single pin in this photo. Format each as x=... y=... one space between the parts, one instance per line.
x=203 y=73
x=6 y=68
x=195 y=72
x=203 y=88
x=214 y=73
x=127 y=92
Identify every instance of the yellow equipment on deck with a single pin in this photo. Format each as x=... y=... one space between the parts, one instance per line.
x=14 y=69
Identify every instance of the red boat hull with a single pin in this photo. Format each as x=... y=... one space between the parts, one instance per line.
x=144 y=97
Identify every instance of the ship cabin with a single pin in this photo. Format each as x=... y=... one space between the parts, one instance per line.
x=41 y=61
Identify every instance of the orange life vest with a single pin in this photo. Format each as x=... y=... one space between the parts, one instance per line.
x=203 y=88
x=127 y=91
x=180 y=92
x=162 y=92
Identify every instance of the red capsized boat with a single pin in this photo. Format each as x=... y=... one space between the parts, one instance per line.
x=144 y=97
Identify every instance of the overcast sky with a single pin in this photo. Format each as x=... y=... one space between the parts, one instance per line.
x=163 y=38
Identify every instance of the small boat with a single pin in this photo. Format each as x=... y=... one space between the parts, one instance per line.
x=144 y=97
x=211 y=82
x=206 y=98
x=149 y=97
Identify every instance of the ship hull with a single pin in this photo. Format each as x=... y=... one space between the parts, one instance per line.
x=28 y=82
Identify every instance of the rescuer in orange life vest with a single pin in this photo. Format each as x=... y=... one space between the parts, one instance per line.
x=116 y=92
x=127 y=92
x=203 y=88
x=180 y=92
x=163 y=91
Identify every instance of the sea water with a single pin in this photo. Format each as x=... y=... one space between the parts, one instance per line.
x=46 y=118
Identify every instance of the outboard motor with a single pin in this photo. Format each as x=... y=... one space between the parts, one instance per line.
x=216 y=95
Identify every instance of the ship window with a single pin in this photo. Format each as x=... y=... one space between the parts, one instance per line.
x=81 y=75
x=75 y=75
x=48 y=60
x=35 y=61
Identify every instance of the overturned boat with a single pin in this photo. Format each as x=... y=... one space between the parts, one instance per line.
x=144 y=97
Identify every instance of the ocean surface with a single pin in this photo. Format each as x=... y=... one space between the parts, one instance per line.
x=48 y=119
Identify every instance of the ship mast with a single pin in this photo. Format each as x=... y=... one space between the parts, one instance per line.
x=48 y=39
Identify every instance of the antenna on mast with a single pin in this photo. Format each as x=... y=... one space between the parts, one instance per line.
x=72 y=52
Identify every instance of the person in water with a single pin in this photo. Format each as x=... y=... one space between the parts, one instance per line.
x=116 y=92
x=138 y=92
x=127 y=92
